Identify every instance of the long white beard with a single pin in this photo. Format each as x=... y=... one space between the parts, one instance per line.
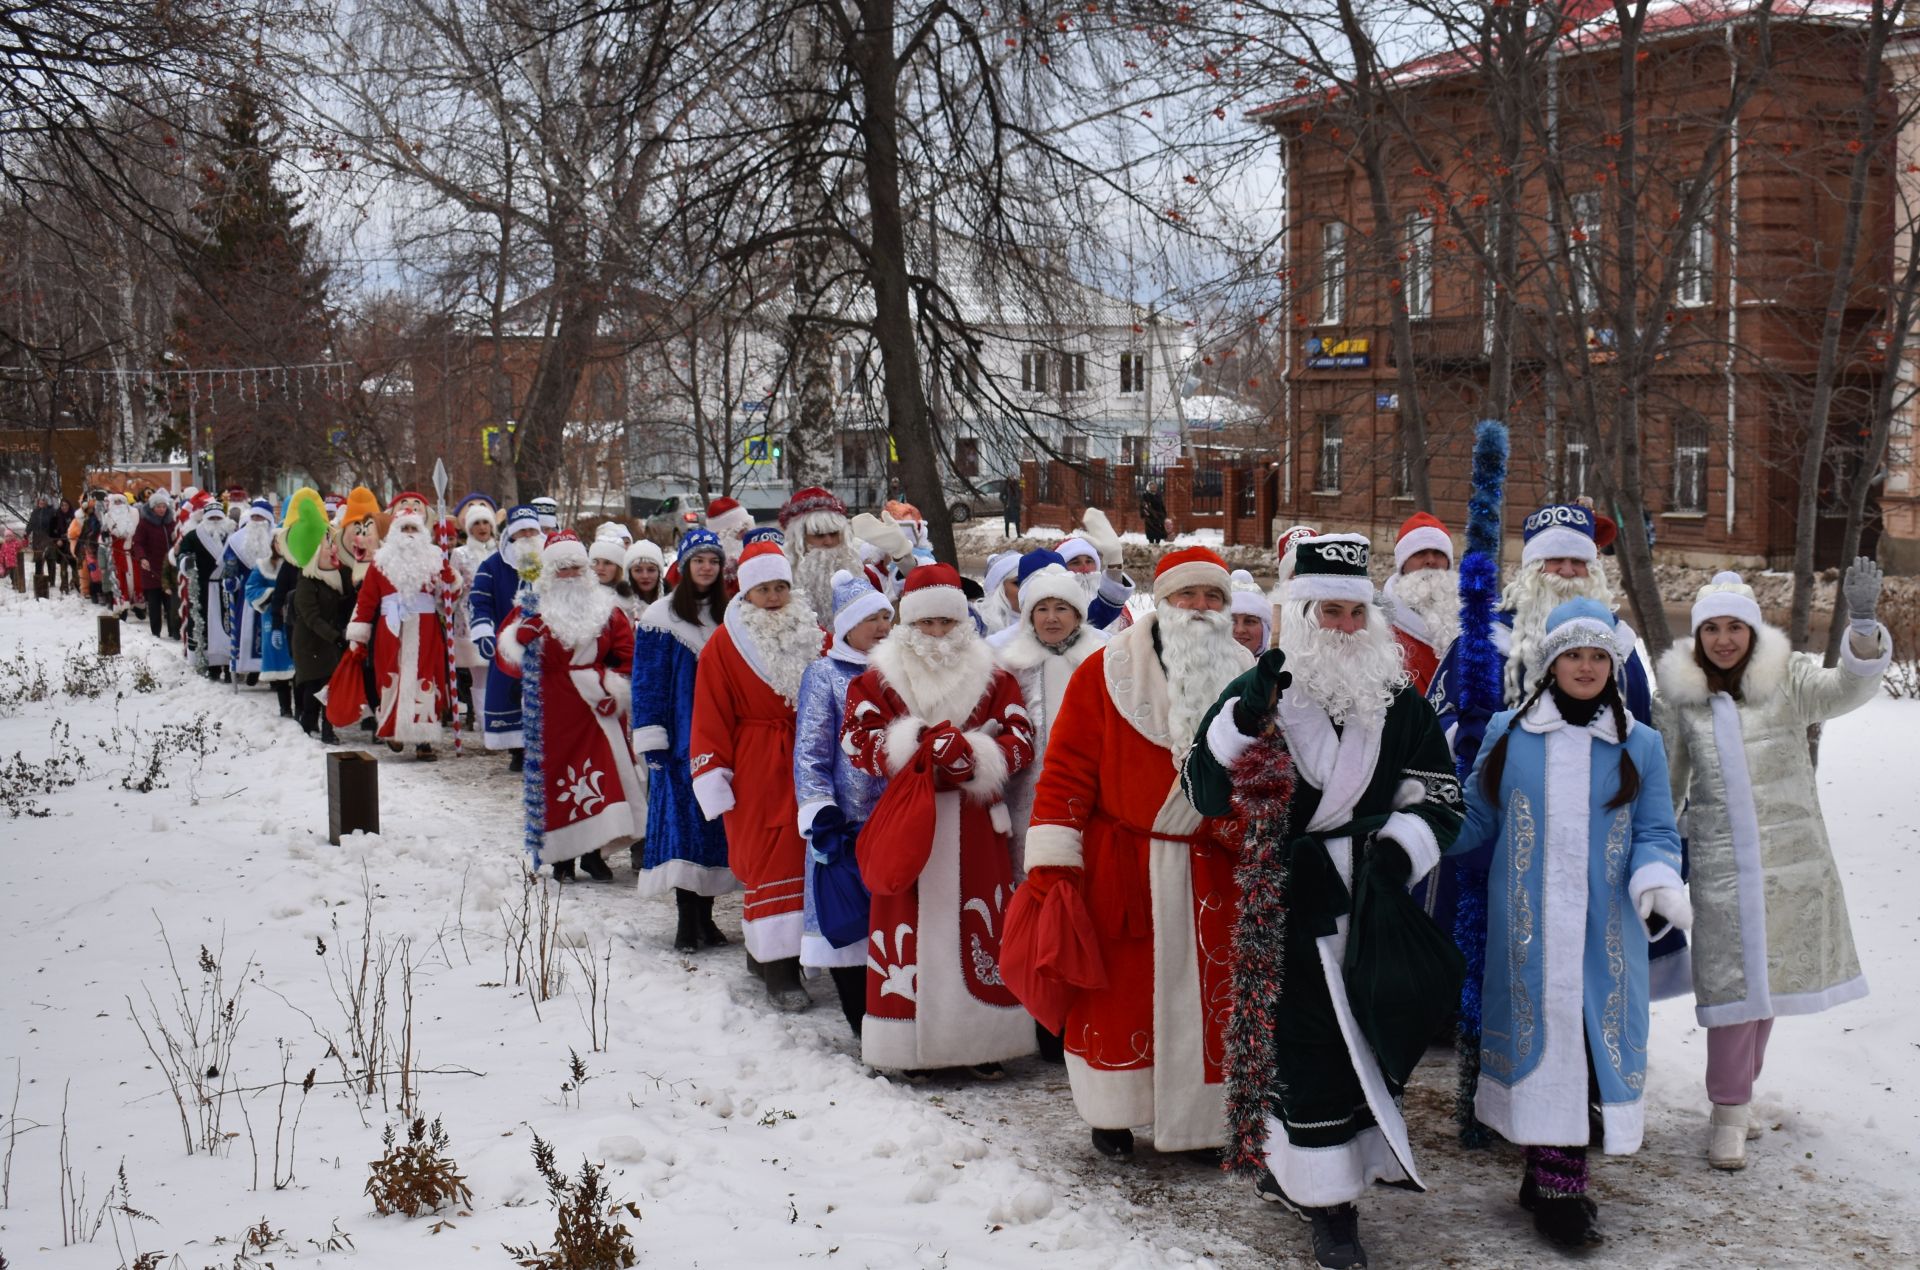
x=1533 y=595
x=1433 y=594
x=122 y=520
x=523 y=555
x=813 y=573
x=1345 y=675
x=1198 y=652
x=944 y=675
x=252 y=543
x=786 y=640
x=1090 y=583
x=575 y=610
x=409 y=561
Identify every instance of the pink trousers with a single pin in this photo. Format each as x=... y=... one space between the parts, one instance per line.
x=1735 y=1055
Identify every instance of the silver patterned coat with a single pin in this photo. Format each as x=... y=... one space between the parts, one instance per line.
x=1770 y=934
x=1042 y=674
x=824 y=776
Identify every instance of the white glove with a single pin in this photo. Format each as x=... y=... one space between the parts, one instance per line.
x=1668 y=901
x=1099 y=531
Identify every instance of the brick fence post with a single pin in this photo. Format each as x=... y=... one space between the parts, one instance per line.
x=1179 y=497
x=1230 y=506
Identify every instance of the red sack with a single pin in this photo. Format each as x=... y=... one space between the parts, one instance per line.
x=346 y=692
x=1049 y=952
x=897 y=840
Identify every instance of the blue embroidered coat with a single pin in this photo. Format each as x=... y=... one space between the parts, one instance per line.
x=276 y=652
x=489 y=600
x=684 y=849
x=1566 y=974
x=823 y=776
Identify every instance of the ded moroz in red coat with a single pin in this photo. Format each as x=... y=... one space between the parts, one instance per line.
x=593 y=792
x=935 y=997
x=409 y=655
x=742 y=761
x=1113 y=833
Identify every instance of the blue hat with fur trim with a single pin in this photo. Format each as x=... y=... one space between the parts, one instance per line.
x=700 y=540
x=1036 y=560
x=855 y=599
x=762 y=533
x=1559 y=531
x=1581 y=623
x=519 y=517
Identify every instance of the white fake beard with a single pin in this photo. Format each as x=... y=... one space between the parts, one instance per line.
x=409 y=561
x=787 y=641
x=523 y=554
x=1435 y=595
x=1090 y=582
x=947 y=674
x=121 y=520
x=813 y=572
x=251 y=543
x=1533 y=595
x=575 y=610
x=1198 y=652
x=1344 y=674
x=213 y=534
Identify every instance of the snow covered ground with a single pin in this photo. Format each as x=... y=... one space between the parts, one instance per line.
x=745 y=1138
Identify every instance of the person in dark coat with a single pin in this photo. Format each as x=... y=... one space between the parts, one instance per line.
x=41 y=535
x=1010 y=506
x=1153 y=511
x=321 y=607
x=151 y=538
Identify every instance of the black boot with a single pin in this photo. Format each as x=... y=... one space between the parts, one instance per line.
x=594 y=867
x=686 y=935
x=327 y=736
x=425 y=754
x=1554 y=1190
x=1114 y=1143
x=563 y=871
x=710 y=934
x=851 y=983
x=518 y=763
x=1052 y=1048
x=284 y=690
x=637 y=856
x=1336 y=1237
x=1568 y=1221
x=784 y=988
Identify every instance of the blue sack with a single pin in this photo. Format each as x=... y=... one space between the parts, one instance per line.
x=840 y=899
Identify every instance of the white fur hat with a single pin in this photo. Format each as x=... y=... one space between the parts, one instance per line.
x=1078 y=549
x=1728 y=595
x=477 y=511
x=563 y=550
x=1051 y=582
x=614 y=529
x=1249 y=599
x=855 y=599
x=644 y=549
x=608 y=548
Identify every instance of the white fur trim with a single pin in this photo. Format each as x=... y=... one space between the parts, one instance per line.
x=359 y=632
x=714 y=792
x=1422 y=538
x=610 y=549
x=1071 y=549
x=933 y=601
x=1111 y=1099
x=1225 y=741
x=990 y=768
x=1320 y=1177
x=1051 y=583
x=510 y=649
x=1415 y=837
x=1559 y=543
x=659 y=616
x=858 y=611
x=1725 y=602
x=767 y=566
x=1651 y=877
x=1329 y=586
x=650 y=738
x=1190 y=573
x=1682 y=682
x=902 y=742
x=773 y=938
x=1865 y=667
x=808 y=810
x=478 y=511
x=685 y=875
x=948 y=694
x=1054 y=847
x=563 y=554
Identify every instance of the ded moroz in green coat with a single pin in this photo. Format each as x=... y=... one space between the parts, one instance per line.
x=1335 y=1127
x=1770 y=932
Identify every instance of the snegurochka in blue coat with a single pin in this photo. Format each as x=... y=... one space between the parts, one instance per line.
x=1572 y=794
x=494 y=594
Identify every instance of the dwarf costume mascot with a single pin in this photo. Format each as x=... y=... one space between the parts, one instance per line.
x=933 y=700
x=1423 y=596
x=249 y=549
x=359 y=521
x=819 y=543
x=398 y=612
x=684 y=852
x=742 y=758
x=497 y=579
x=202 y=549
x=591 y=795
x=118 y=524
x=1371 y=802
x=1119 y=937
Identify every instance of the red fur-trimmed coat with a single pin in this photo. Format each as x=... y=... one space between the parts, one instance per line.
x=935 y=997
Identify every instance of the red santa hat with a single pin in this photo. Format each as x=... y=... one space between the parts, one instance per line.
x=725 y=515
x=1190 y=566
x=1421 y=532
x=404 y=495
x=933 y=590
x=763 y=562
x=807 y=501
x=563 y=550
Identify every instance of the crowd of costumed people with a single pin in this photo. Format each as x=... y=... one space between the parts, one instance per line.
x=1236 y=857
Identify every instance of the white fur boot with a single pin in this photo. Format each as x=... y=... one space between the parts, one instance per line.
x=1727 y=1137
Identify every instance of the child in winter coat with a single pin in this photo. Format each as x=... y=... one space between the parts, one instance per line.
x=1734 y=707
x=1572 y=793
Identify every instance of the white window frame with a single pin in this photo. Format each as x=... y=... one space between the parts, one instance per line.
x=1033 y=372
x=1133 y=373
x=1576 y=468
x=1584 y=211
x=1690 y=466
x=1417 y=276
x=1332 y=451
x=1333 y=273
x=1073 y=373
x=1693 y=288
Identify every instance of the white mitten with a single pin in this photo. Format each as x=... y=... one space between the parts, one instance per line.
x=1099 y=531
x=884 y=534
x=1668 y=901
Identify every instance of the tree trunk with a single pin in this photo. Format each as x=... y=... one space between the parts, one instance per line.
x=540 y=436
x=810 y=434
x=907 y=417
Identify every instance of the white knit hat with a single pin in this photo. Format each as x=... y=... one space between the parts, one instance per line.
x=610 y=549
x=1051 y=582
x=644 y=549
x=614 y=529
x=1728 y=595
x=1249 y=599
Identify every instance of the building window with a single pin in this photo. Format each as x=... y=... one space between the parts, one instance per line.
x=1401 y=475
x=1033 y=372
x=1327 y=478
x=1690 y=464
x=1583 y=249
x=1694 y=266
x=1419 y=266
x=849 y=369
x=1333 y=273
x=1576 y=470
x=966 y=456
x=1136 y=451
x=1133 y=372
x=1073 y=372
x=606 y=397
x=1073 y=449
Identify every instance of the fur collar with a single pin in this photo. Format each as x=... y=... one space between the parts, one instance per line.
x=1137 y=682
x=1683 y=683
x=1545 y=716
x=774 y=666
x=325 y=577
x=933 y=695
x=1019 y=649
x=659 y=616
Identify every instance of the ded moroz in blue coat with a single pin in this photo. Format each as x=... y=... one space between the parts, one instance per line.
x=1566 y=972
x=684 y=850
x=489 y=600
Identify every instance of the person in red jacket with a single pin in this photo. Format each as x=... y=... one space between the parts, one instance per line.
x=152 y=539
x=1425 y=596
x=742 y=758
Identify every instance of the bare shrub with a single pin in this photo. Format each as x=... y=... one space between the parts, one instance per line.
x=23 y=781
x=417 y=1176
x=532 y=950
x=195 y=1044
x=590 y=1234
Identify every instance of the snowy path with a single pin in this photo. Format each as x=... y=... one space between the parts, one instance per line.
x=749 y=1139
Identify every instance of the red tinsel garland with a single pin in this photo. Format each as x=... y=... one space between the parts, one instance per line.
x=1262 y=793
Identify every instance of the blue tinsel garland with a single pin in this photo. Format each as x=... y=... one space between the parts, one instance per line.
x=533 y=780
x=1479 y=694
